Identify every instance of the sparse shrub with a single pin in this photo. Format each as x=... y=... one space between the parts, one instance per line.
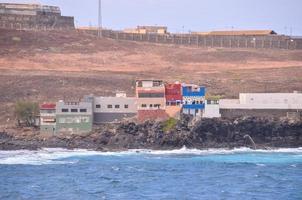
x=26 y=113
x=169 y=124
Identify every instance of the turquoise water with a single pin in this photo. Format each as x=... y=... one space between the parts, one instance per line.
x=143 y=174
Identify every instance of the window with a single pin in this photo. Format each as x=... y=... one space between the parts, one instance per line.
x=84 y=119
x=151 y=95
x=64 y=110
x=151 y=105
x=109 y=106
x=117 y=106
x=98 y=106
x=139 y=84
x=83 y=110
x=74 y=110
x=156 y=83
x=126 y=106
x=157 y=105
x=144 y=106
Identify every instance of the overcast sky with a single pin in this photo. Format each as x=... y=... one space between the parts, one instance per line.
x=187 y=15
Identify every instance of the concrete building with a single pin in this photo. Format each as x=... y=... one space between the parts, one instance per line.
x=263 y=104
x=48 y=118
x=173 y=94
x=33 y=16
x=74 y=117
x=193 y=99
x=212 y=109
x=114 y=109
x=148 y=30
x=151 y=101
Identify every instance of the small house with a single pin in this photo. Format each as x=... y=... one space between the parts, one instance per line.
x=151 y=101
x=74 y=117
x=173 y=95
x=114 y=109
x=48 y=118
x=193 y=99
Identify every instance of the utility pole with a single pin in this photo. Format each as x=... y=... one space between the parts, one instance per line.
x=100 y=19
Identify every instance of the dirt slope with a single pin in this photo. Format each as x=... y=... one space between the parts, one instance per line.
x=46 y=66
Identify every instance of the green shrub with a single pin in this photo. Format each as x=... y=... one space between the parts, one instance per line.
x=169 y=124
x=26 y=112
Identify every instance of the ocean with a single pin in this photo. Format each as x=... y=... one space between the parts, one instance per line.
x=144 y=174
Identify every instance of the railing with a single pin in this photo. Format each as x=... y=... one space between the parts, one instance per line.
x=188 y=92
x=194 y=106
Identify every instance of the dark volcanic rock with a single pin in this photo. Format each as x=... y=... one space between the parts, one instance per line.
x=207 y=133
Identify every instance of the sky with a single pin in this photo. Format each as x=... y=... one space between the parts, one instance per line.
x=283 y=16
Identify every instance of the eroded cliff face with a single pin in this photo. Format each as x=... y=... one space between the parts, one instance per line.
x=207 y=133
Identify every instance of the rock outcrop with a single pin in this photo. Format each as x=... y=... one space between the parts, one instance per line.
x=207 y=133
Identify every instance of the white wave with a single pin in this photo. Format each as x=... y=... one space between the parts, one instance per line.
x=57 y=156
x=186 y=151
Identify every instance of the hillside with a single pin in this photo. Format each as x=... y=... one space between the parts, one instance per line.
x=46 y=66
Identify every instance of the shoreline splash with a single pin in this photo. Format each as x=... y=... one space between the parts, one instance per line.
x=58 y=156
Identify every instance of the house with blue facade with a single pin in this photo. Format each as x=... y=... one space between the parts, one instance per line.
x=193 y=99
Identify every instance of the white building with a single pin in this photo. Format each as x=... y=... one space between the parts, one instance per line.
x=264 y=101
x=212 y=109
x=114 y=109
x=263 y=105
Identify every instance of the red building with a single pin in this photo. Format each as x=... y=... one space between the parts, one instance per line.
x=173 y=94
x=48 y=106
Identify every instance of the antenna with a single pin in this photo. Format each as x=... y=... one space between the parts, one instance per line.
x=100 y=19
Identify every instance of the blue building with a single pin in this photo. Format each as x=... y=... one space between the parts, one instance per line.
x=193 y=99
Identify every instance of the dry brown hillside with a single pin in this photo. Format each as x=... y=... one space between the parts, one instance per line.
x=46 y=66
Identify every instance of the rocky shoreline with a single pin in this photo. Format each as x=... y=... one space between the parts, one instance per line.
x=249 y=132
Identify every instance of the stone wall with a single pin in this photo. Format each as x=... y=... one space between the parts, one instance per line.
x=33 y=16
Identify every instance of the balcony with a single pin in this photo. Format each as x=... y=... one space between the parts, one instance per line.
x=194 y=106
x=189 y=91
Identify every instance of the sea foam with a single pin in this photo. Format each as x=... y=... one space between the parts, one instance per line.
x=48 y=156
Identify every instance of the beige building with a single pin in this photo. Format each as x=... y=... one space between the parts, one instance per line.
x=148 y=30
x=114 y=109
x=150 y=94
x=151 y=101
